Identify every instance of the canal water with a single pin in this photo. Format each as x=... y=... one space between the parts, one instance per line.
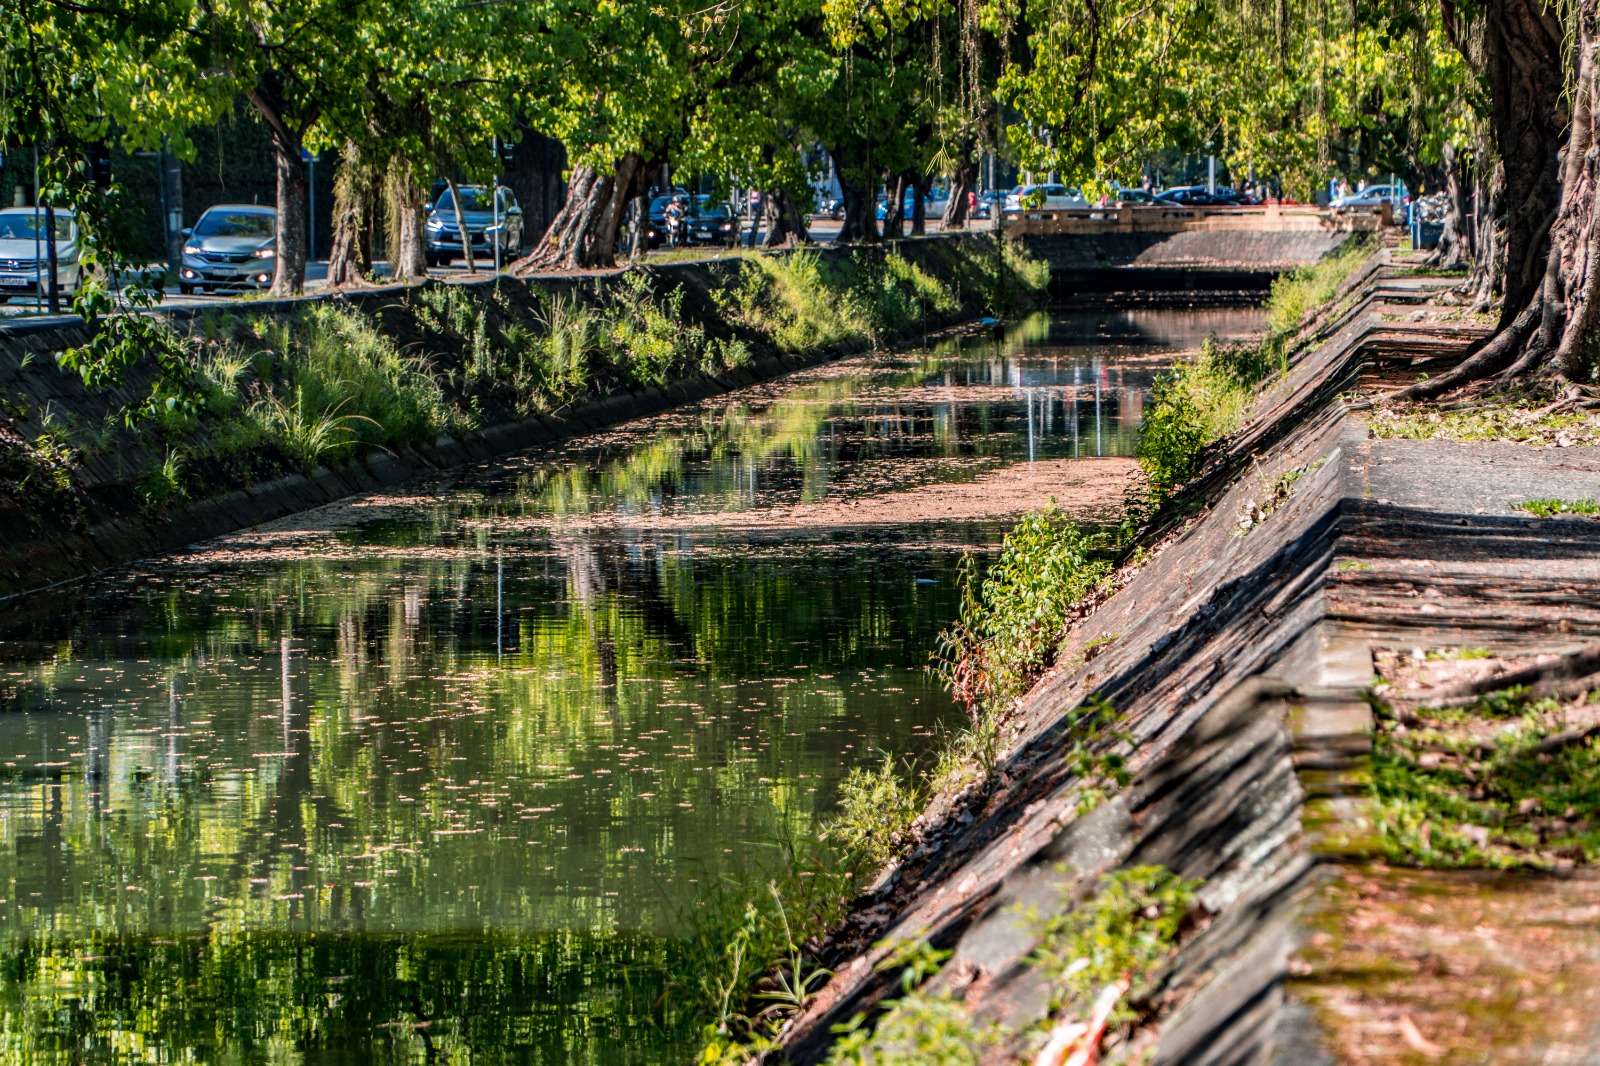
x=434 y=776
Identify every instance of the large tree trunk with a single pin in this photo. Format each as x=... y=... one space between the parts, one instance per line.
x=1452 y=238
x=354 y=194
x=920 y=184
x=774 y=218
x=1522 y=47
x=894 y=208
x=584 y=233
x=404 y=233
x=962 y=183
x=1522 y=42
x=1573 y=298
x=859 y=222
x=289 y=269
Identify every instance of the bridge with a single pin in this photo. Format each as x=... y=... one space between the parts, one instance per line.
x=1182 y=248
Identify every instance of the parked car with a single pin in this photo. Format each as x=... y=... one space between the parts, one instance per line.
x=830 y=207
x=932 y=205
x=25 y=258
x=230 y=246
x=1396 y=196
x=478 y=212
x=1136 y=197
x=1050 y=197
x=988 y=203
x=1198 y=196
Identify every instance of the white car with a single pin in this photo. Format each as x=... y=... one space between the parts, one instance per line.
x=230 y=246
x=25 y=256
x=1373 y=195
x=1044 y=198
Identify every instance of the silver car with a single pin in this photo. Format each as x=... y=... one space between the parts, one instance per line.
x=25 y=257
x=231 y=246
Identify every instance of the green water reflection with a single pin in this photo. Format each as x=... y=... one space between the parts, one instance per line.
x=433 y=778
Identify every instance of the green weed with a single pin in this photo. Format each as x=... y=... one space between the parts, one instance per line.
x=307 y=434
x=1127 y=928
x=876 y=808
x=1550 y=508
x=162 y=483
x=1011 y=621
x=1457 y=793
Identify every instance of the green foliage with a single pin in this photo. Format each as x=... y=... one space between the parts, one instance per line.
x=1127 y=928
x=339 y=368
x=1092 y=727
x=1448 y=797
x=1552 y=507
x=1201 y=401
x=1011 y=622
x=163 y=482
x=876 y=810
x=748 y=935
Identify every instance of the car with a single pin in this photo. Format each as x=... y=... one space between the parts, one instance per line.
x=1197 y=196
x=1049 y=197
x=830 y=207
x=932 y=205
x=230 y=246
x=25 y=259
x=489 y=222
x=989 y=203
x=711 y=223
x=1396 y=196
x=1136 y=197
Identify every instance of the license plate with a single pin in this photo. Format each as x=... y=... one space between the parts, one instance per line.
x=224 y=271
x=15 y=279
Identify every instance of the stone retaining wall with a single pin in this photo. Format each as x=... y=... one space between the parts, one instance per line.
x=1243 y=688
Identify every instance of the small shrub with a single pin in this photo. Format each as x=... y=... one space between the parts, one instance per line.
x=163 y=484
x=1011 y=623
x=1127 y=928
x=875 y=811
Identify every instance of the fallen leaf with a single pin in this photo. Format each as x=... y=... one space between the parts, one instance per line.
x=1414 y=1038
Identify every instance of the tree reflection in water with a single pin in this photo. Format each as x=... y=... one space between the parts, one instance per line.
x=438 y=781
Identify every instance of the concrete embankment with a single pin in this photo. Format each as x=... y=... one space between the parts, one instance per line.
x=1239 y=658
x=102 y=518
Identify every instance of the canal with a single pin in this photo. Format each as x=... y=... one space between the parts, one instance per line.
x=437 y=775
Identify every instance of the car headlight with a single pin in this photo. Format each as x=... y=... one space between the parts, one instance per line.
x=266 y=253
x=727 y=225
x=191 y=249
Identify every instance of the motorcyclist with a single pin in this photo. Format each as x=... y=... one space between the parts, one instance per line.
x=673 y=214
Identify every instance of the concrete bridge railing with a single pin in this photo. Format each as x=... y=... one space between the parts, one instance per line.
x=1127 y=218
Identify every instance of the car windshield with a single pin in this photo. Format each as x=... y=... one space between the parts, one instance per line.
x=706 y=209
x=235 y=224
x=473 y=198
x=23 y=225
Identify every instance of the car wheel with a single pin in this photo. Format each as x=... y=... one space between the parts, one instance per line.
x=186 y=290
x=209 y=288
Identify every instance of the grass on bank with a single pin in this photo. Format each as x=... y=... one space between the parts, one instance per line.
x=256 y=396
x=1206 y=399
x=1125 y=929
